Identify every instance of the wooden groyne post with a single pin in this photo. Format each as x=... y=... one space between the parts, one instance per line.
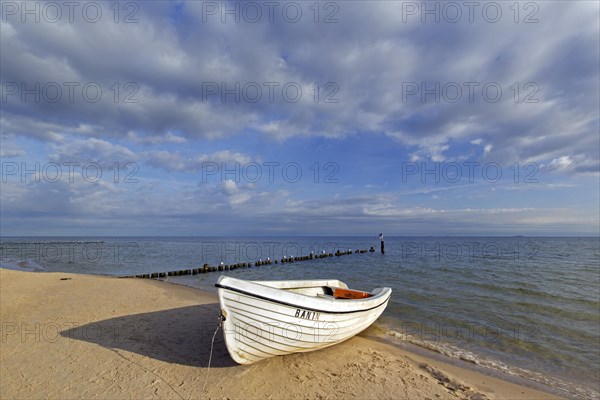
x=230 y=267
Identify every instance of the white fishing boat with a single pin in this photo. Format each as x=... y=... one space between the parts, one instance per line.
x=262 y=319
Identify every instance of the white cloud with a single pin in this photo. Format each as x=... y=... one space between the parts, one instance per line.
x=224 y=156
x=166 y=160
x=560 y=163
x=580 y=163
x=175 y=161
x=9 y=149
x=92 y=150
x=229 y=187
x=169 y=137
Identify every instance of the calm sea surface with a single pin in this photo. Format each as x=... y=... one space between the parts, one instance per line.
x=525 y=306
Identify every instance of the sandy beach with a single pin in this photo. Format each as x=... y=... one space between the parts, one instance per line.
x=82 y=336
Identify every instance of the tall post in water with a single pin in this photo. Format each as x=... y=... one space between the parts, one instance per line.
x=382 y=243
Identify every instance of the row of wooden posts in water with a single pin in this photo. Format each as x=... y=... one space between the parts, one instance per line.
x=230 y=267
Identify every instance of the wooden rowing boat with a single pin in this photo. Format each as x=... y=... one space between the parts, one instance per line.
x=262 y=319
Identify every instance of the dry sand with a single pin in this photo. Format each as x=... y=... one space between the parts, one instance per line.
x=80 y=336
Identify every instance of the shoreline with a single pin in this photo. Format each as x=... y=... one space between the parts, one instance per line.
x=465 y=364
x=77 y=335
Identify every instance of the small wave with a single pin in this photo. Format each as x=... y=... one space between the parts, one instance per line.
x=451 y=351
x=27 y=265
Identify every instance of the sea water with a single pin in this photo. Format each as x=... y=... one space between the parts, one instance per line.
x=525 y=306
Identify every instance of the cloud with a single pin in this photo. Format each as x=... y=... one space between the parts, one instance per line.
x=561 y=163
x=166 y=160
x=168 y=71
x=92 y=150
x=169 y=137
x=229 y=187
x=175 y=161
x=234 y=194
x=9 y=149
x=579 y=163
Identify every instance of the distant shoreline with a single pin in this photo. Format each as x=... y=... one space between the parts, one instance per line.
x=374 y=237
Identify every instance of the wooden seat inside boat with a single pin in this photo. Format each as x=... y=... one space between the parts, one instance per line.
x=339 y=293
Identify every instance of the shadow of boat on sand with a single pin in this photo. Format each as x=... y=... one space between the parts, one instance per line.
x=181 y=335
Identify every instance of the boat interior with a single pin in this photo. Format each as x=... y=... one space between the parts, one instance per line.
x=325 y=288
x=330 y=291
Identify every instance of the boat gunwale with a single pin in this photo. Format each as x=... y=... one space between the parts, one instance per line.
x=297 y=305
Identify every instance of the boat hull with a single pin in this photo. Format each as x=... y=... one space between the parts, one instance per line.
x=263 y=321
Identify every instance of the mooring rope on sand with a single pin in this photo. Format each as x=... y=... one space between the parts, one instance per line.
x=210 y=355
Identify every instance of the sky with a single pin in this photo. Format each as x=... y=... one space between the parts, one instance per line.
x=300 y=118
